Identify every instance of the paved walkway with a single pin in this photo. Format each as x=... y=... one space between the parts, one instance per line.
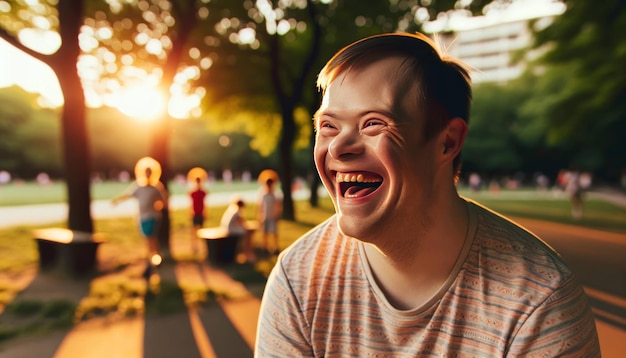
x=100 y=209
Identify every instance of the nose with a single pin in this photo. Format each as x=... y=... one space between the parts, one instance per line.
x=346 y=143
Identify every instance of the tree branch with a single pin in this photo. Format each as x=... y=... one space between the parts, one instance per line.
x=17 y=44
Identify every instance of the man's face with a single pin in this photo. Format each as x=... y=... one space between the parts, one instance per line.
x=371 y=155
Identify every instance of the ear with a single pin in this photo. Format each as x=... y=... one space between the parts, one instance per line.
x=452 y=138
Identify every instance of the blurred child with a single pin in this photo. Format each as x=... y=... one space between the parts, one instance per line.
x=198 y=212
x=152 y=198
x=269 y=211
x=233 y=219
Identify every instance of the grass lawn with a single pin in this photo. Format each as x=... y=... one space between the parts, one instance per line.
x=553 y=206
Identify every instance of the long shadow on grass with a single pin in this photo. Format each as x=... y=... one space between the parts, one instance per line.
x=46 y=305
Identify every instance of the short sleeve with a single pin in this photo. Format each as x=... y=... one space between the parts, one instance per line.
x=282 y=329
x=563 y=326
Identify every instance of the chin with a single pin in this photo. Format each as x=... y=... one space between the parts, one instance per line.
x=354 y=228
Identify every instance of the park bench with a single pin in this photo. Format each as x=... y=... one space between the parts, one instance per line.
x=222 y=247
x=69 y=251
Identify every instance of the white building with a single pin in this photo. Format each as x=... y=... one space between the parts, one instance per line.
x=491 y=44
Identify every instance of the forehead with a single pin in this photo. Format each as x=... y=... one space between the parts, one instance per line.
x=378 y=86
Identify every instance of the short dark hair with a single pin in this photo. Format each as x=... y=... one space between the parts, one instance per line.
x=442 y=83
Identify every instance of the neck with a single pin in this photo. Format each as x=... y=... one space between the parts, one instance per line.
x=410 y=273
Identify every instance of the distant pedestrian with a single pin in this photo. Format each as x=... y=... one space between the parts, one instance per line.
x=152 y=198
x=474 y=182
x=561 y=179
x=198 y=197
x=574 y=190
x=269 y=212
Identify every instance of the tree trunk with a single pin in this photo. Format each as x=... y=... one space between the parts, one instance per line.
x=286 y=145
x=76 y=156
x=186 y=12
x=159 y=151
x=76 y=153
x=314 y=181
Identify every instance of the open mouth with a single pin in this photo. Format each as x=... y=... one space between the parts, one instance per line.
x=357 y=185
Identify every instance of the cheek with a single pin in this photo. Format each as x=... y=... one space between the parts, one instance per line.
x=405 y=159
x=389 y=151
x=319 y=154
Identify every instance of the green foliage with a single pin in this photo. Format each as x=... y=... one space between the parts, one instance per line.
x=116 y=140
x=59 y=309
x=29 y=136
x=41 y=145
x=169 y=299
x=14 y=111
x=7 y=333
x=194 y=145
x=26 y=308
x=491 y=144
x=253 y=116
x=24 y=317
x=585 y=61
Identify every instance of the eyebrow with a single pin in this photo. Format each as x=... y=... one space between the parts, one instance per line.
x=333 y=114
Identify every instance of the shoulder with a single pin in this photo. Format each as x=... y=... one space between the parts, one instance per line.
x=304 y=248
x=514 y=280
x=305 y=258
x=507 y=248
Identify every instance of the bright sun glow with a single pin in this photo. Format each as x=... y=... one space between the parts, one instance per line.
x=141 y=102
x=17 y=68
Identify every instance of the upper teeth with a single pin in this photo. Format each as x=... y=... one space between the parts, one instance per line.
x=354 y=178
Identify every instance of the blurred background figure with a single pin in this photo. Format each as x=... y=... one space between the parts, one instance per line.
x=196 y=176
x=269 y=211
x=474 y=182
x=43 y=179
x=573 y=189
x=234 y=221
x=542 y=181
x=152 y=198
x=5 y=177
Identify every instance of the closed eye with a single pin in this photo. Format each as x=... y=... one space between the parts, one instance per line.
x=326 y=124
x=374 y=123
x=373 y=126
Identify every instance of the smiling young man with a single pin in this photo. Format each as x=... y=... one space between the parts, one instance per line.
x=407 y=267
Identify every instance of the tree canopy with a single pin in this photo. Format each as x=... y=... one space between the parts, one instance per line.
x=581 y=83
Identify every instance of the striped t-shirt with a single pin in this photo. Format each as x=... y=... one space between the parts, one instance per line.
x=510 y=295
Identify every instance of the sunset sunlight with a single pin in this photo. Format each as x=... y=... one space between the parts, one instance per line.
x=36 y=77
x=141 y=102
